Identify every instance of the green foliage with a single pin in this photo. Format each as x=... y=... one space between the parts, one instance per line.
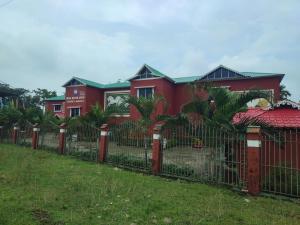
x=132 y=161
x=40 y=95
x=98 y=116
x=146 y=107
x=10 y=115
x=284 y=93
x=283 y=179
x=220 y=105
x=179 y=171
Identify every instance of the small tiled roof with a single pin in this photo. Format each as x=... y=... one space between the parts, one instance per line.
x=276 y=117
x=57 y=98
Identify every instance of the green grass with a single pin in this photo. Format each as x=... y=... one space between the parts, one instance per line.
x=37 y=187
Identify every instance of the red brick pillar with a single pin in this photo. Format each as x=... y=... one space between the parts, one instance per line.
x=15 y=134
x=35 y=136
x=103 y=143
x=62 y=138
x=253 y=160
x=156 y=150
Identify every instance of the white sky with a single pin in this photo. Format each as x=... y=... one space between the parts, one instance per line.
x=43 y=43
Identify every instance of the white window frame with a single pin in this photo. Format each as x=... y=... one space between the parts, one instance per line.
x=74 y=108
x=116 y=92
x=138 y=90
x=245 y=91
x=57 y=110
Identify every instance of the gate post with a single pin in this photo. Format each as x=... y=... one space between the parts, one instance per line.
x=15 y=135
x=253 y=160
x=35 y=136
x=103 y=143
x=156 y=150
x=62 y=138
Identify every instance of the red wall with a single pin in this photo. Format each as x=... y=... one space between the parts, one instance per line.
x=176 y=95
x=183 y=94
x=49 y=106
x=161 y=87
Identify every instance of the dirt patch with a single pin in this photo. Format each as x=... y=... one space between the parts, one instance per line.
x=44 y=218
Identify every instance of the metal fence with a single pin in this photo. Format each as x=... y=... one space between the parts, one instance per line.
x=280 y=162
x=130 y=146
x=82 y=141
x=6 y=134
x=25 y=134
x=204 y=153
x=48 y=138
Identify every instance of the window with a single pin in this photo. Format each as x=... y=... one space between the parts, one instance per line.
x=74 y=112
x=145 y=92
x=57 y=108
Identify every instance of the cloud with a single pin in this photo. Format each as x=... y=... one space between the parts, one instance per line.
x=44 y=43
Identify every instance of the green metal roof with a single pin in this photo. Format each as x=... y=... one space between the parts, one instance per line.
x=89 y=83
x=118 y=85
x=154 y=71
x=179 y=80
x=57 y=98
x=258 y=74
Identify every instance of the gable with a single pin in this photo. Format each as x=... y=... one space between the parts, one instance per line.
x=147 y=72
x=222 y=73
x=73 y=82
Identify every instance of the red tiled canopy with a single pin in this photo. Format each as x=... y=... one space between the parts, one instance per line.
x=277 y=117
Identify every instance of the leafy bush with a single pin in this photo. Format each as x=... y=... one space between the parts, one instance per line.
x=180 y=171
x=283 y=179
x=130 y=161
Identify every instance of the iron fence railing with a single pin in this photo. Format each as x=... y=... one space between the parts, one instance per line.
x=25 y=134
x=130 y=146
x=6 y=134
x=204 y=153
x=280 y=162
x=48 y=136
x=82 y=141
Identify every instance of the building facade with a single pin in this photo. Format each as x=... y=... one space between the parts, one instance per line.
x=81 y=94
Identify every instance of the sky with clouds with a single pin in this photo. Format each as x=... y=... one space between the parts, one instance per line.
x=43 y=43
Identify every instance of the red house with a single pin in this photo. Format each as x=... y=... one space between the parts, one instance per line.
x=81 y=94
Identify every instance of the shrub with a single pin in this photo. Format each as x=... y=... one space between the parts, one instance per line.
x=283 y=179
x=131 y=161
x=180 y=171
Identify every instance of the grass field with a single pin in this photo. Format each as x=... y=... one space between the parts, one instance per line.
x=37 y=187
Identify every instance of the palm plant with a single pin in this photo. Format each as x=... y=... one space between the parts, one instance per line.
x=220 y=105
x=98 y=116
x=147 y=108
x=284 y=93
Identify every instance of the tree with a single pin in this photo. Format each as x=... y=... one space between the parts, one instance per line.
x=97 y=116
x=147 y=107
x=284 y=93
x=40 y=95
x=220 y=105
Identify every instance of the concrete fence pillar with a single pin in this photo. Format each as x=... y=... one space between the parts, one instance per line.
x=103 y=143
x=62 y=138
x=15 y=134
x=35 y=136
x=156 y=150
x=253 y=160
